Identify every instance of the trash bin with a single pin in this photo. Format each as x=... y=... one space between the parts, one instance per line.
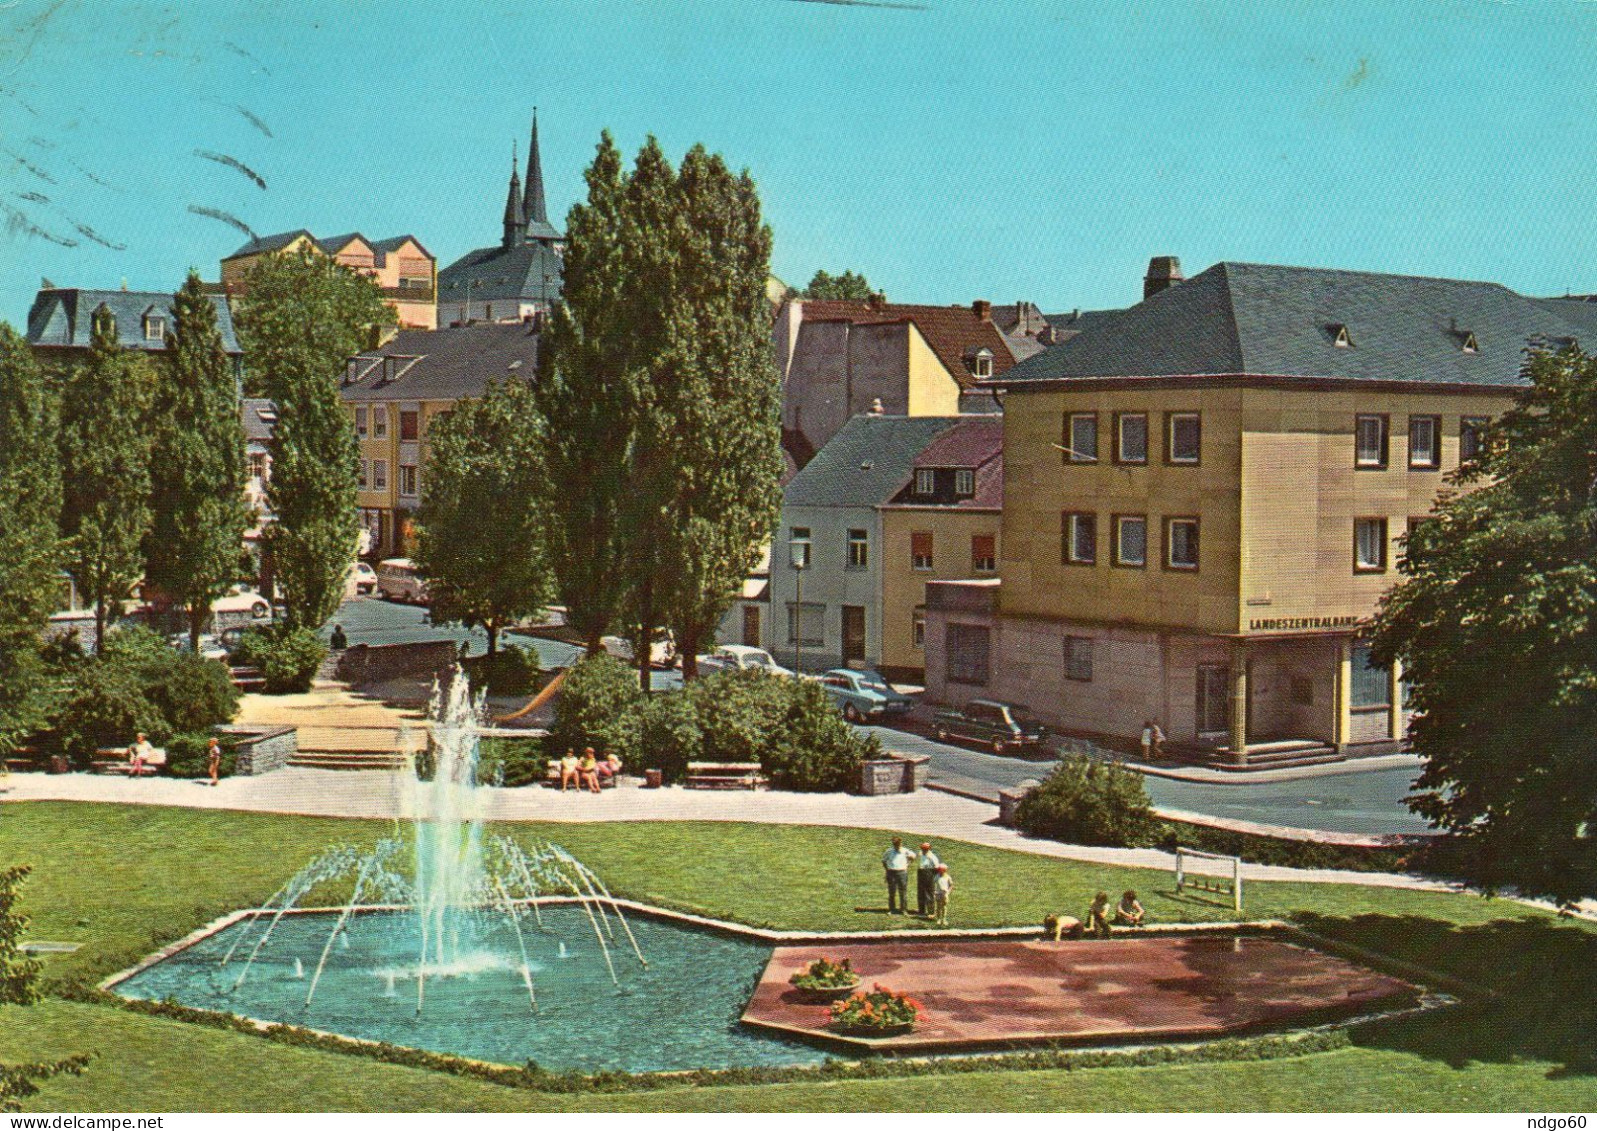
x=58 y=764
x=653 y=779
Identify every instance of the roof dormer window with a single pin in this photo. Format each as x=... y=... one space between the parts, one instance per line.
x=1470 y=345
x=981 y=363
x=104 y=321
x=154 y=328
x=964 y=482
x=925 y=481
x=1340 y=338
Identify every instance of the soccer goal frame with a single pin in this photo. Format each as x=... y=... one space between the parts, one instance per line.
x=1217 y=884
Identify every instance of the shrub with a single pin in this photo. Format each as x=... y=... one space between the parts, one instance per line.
x=739 y=713
x=592 y=709
x=666 y=734
x=511 y=670
x=1089 y=802
x=511 y=761
x=188 y=756
x=812 y=750
x=288 y=657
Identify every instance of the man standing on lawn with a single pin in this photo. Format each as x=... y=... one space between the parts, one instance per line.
x=926 y=880
x=895 y=862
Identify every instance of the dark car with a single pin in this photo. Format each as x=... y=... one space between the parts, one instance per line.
x=992 y=723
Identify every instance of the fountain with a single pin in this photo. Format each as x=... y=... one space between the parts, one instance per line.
x=461 y=891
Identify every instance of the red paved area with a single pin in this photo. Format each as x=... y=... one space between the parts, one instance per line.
x=999 y=993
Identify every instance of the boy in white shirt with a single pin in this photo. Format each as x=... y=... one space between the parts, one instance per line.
x=945 y=885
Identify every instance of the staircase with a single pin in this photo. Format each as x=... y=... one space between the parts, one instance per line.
x=1286 y=754
x=246 y=678
x=347 y=760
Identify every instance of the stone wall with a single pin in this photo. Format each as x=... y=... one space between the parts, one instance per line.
x=896 y=773
x=366 y=664
x=259 y=749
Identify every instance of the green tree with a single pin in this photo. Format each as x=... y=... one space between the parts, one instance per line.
x=480 y=536
x=196 y=464
x=1494 y=625
x=591 y=393
x=105 y=466
x=303 y=317
x=30 y=549
x=845 y=286
x=18 y=986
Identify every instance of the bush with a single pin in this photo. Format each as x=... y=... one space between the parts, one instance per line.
x=511 y=761
x=139 y=682
x=739 y=713
x=1089 y=802
x=288 y=657
x=510 y=671
x=812 y=749
x=666 y=734
x=188 y=756
x=593 y=707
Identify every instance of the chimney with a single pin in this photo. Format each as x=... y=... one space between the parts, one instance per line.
x=1164 y=272
x=876 y=407
x=982 y=309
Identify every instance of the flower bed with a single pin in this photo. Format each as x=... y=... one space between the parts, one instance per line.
x=880 y=1013
x=824 y=980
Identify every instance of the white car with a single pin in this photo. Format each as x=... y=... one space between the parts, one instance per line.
x=363 y=578
x=399 y=580
x=741 y=657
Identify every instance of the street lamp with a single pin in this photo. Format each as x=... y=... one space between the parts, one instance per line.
x=799 y=556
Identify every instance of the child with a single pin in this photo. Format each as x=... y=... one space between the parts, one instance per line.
x=944 y=885
x=213 y=757
x=1129 y=913
x=1098 y=916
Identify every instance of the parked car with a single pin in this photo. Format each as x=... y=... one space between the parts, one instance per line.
x=211 y=647
x=399 y=580
x=239 y=610
x=992 y=723
x=740 y=657
x=662 y=652
x=865 y=695
x=364 y=578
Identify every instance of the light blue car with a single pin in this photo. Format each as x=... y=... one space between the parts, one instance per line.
x=865 y=696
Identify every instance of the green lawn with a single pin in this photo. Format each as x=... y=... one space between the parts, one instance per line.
x=124 y=879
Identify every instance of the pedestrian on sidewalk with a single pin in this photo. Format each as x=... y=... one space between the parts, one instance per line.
x=895 y=863
x=944 y=885
x=338 y=641
x=213 y=758
x=1152 y=741
x=926 y=880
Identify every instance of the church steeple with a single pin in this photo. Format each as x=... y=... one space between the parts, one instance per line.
x=535 y=213
x=513 y=223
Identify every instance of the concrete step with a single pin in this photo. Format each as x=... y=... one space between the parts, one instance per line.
x=346 y=760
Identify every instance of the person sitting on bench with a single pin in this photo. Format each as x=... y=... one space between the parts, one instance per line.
x=139 y=754
x=590 y=771
x=609 y=768
x=1129 y=912
x=568 y=771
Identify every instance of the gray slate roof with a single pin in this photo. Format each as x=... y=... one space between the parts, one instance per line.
x=63 y=317
x=530 y=272
x=866 y=463
x=260 y=419
x=441 y=365
x=1252 y=319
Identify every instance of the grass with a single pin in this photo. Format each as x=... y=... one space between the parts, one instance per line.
x=123 y=880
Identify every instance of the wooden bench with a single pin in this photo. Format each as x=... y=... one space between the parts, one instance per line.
x=725 y=775
x=114 y=760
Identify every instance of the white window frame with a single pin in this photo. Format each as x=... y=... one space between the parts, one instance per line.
x=1370 y=544
x=1195 y=541
x=1075 y=521
x=925 y=481
x=1433 y=423
x=964 y=482
x=1171 y=456
x=1121 y=420
x=409 y=480
x=154 y=322
x=1383 y=426
x=859 y=550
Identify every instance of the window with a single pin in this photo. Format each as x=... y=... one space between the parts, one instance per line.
x=379 y=475
x=925 y=481
x=983 y=552
x=1183 y=436
x=1471 y=434
x=154 y=328
x=1081 y=437
x=361 y=476
x=257 y=463
x=1424 y=450
x=360 y=421
x=1370 y=436
x=1078 y=658
x=1080 y=536
x=808 y=619
x=964 y=482
x=859 y=555
x=1470 y=345
x=965 y=647
x=1341 y=338
x=1131 y=540
x=407 y=479
x=380 y=421
x=1181 y=543
x=1372 y=686
x=409 y=424
x=981 y=363
x=1369 y=545
x=920 y=549
x=1131 y=437
x=104 y=322
x=917 y=627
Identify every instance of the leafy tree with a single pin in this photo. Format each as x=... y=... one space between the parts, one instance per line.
x=593 y=707
x=845 y=286
x=303 y=317
x=30 y=550
x=480 y=537
x=105 y=466
x=1494 y=625
x=196 y=464
x=18 y=986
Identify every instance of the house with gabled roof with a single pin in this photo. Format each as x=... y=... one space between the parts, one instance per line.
x=889 y=504
x=61 y=322
x=404 y=269
x=1206 y=495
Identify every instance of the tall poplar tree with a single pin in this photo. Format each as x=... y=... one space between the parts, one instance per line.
x=105 y=466
x=196 y=464
x=30 y=548
x=302 y=318
x=479 y=532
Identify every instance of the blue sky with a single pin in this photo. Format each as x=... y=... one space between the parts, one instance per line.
x=1005 y=149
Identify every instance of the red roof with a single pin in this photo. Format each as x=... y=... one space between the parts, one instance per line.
x=953 y=332
x=970 y=443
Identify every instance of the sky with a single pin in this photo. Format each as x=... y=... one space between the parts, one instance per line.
x=1037 y=150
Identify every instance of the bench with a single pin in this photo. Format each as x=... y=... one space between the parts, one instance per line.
x=551 y=778
x=114 y=760
x=725 y=775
